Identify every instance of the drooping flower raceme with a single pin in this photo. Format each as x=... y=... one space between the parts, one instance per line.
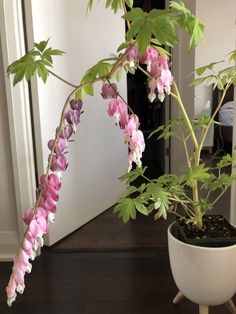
x=130 y=124
x=37 y=219
x=158 y=68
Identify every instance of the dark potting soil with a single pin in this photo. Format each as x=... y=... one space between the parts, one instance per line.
x=214 y=226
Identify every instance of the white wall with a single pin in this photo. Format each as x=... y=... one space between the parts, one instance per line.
x=8 y=214
x=219 y=18
x=99 y=155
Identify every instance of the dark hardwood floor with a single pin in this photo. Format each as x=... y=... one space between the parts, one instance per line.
x=105 y=267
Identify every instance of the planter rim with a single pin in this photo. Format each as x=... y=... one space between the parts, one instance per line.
x=204 y=248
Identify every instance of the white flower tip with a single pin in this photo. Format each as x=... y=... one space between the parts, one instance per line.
x=51 y=217
x=40 y=241
x=10 y=301
x=132 y=64
x=20 y=288
x=28 y=268
x=32 y=255
x=151 y=97
x=161 y=97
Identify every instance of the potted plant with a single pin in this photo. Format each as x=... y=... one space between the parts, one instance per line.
x=143 y=50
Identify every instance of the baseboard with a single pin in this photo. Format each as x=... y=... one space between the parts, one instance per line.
x=9 y=245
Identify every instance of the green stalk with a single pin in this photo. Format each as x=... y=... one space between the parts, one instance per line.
x=198 y=214
x=185 y=116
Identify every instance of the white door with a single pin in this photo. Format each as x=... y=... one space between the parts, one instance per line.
x=98 y=156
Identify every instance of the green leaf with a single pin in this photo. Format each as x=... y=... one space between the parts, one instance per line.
x=123 y=46
x=198 y=173
x=126 y=209
x=189 y=22
x=232 y=56
x=89 y=89
x=141 y=208
x=143 y=37
x=163 y=51
x=202 y=69
x=42 y=45
x=129 y=3
x=134 y=14
x=119 y=74
x=115 y=5
x=130 y=190
x=79 y=94
x=42 y=71
x=89 y=5
x=18 y=76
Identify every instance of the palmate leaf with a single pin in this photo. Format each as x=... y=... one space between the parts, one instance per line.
x=37 y=60
x=173 y=128
x=202 y=69
x=133 y=175
x=158 y=23
x=201 y=123
x=198 y=173
x=126 y=209
x=189 y=22
x=100 y=69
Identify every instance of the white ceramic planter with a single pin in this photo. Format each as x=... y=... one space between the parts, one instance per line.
x=204 y=275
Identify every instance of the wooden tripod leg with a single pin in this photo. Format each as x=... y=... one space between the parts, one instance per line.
x=230 y=306
x=179 y=296
x=203 y=309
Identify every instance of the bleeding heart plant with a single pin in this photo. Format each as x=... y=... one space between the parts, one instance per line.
x=142 y=50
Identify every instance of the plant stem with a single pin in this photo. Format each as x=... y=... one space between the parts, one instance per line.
x=185 y=116
x=61 y=79
x=142 y=70
x=212 y=119
x=186 y=153
x=220 y=195
x=125 y=11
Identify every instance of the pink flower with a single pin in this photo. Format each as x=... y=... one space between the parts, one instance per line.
x=28 y=215
x=76 y=104
x=132 y=125
x=162 y=79
x=137 y=146
x=155 y=69
x=49 y=191
x=66 y=132
x=109 y=91
x=152 y=84
x=53 y=180
x=60 y=146
x=150 y=55
x=11 y=291
x=167 y=80
x=73 y=118
x=117 y=108
x=132 y=55
x=112 y=107
x=59 y=163
x=48 y=204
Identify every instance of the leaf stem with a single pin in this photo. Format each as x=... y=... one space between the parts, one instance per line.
x=61 y=79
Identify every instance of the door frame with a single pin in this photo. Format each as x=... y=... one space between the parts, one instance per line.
x=19 y=115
